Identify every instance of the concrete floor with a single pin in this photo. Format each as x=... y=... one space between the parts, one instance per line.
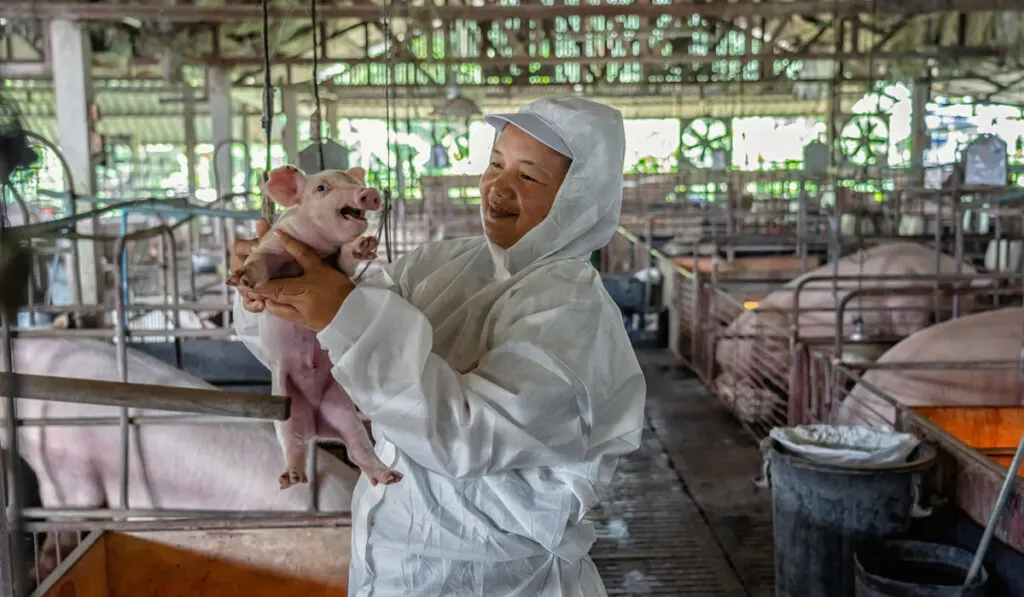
x=683 y=517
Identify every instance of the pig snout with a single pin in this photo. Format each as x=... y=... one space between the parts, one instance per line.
x=368 y=199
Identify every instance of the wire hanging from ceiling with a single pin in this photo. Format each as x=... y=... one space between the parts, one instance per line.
x=384 y=227
x=268 y=110
x=315 y=122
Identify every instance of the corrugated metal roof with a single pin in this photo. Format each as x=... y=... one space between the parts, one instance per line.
x=140 y=113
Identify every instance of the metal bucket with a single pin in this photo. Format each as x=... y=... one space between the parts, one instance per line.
x=821 y=512
x=915 y=569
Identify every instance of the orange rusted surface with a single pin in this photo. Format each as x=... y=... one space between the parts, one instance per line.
x=88 y=576
x=302 y=562
x=993 y=433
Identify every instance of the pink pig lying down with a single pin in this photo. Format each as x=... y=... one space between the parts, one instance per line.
x=327 y=212
x=753 y=352
x=988 y=336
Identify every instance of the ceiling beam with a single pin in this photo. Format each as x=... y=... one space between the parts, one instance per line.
x=938 y=53
x=371 y=12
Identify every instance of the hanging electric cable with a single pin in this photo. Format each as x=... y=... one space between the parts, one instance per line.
x=384 y=226
x=268 y=109
x=314 y=122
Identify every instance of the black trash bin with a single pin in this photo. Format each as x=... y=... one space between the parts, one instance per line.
x=822 y=512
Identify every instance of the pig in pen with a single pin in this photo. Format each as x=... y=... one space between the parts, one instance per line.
x=754 y=354
x=956 y=384
x=136 y=464
x=968 y=361
x=96 y=464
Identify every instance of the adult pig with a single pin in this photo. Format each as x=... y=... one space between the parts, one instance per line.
x=181 y=466
x=759 y=357
x=327 y=212
x=989 y=336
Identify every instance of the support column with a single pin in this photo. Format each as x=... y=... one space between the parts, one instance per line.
x=243 y=122
x=920 y=140
x=220 y=114
x=189 y=109
x=219 y=94
x=332 y=121
x=72 y=82
x=290 y=130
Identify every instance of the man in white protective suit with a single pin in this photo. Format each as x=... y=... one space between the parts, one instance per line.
x=495 y=371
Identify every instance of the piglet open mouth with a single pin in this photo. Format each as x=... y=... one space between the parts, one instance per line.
x=352 y=213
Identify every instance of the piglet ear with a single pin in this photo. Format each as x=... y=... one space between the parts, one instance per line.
x=285 y=185
x=358 y=174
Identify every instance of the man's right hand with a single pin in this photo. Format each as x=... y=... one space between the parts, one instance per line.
x=239 y=252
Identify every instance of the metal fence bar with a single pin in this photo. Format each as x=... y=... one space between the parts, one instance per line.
x=111 y=333
x=303 y=520
x=146 y=396
x=136 y=420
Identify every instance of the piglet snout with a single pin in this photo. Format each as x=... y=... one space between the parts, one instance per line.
x=368 y=199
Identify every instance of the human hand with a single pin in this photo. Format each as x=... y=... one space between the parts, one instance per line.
x=312 y=299
x=239 y=252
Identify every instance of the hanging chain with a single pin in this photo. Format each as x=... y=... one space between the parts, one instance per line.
x=315 y=120
x=837 y=76
x=268 y=111
x=383 y=227
x=389 y=123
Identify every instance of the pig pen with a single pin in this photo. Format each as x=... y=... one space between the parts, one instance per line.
x=961 y=382
x=854 y=309
x=975 y=441
x=193 y=562
x=200 y=532
x=958 y=382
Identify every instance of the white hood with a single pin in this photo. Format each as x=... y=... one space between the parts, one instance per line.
x=586 y=210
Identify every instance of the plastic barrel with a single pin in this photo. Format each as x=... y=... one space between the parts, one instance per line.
x=915 y=569
x=821 y=512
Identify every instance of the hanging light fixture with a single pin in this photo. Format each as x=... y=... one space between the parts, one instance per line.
x=456 y=105
x=858 y=330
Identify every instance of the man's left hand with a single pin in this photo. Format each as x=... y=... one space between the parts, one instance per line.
x=312 y=299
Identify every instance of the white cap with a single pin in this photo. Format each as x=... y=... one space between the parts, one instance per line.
x=533 y=125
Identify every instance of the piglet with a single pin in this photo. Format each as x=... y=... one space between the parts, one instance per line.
x=328 y=213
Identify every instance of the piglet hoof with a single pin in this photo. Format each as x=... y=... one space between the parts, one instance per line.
x=385 y=477
x=291 y=477
x=365 y=249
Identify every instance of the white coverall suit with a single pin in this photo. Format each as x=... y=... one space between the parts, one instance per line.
x=502 y=385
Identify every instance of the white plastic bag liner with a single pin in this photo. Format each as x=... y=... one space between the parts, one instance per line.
x=846 y=444
x=650 y=274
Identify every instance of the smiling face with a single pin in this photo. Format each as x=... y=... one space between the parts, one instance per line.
x=519 y=186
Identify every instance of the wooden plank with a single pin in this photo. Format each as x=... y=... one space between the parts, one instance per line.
x=981 y=428
x=151 y=397
x=87 y=577
x=262 y=563
x=319 y=554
